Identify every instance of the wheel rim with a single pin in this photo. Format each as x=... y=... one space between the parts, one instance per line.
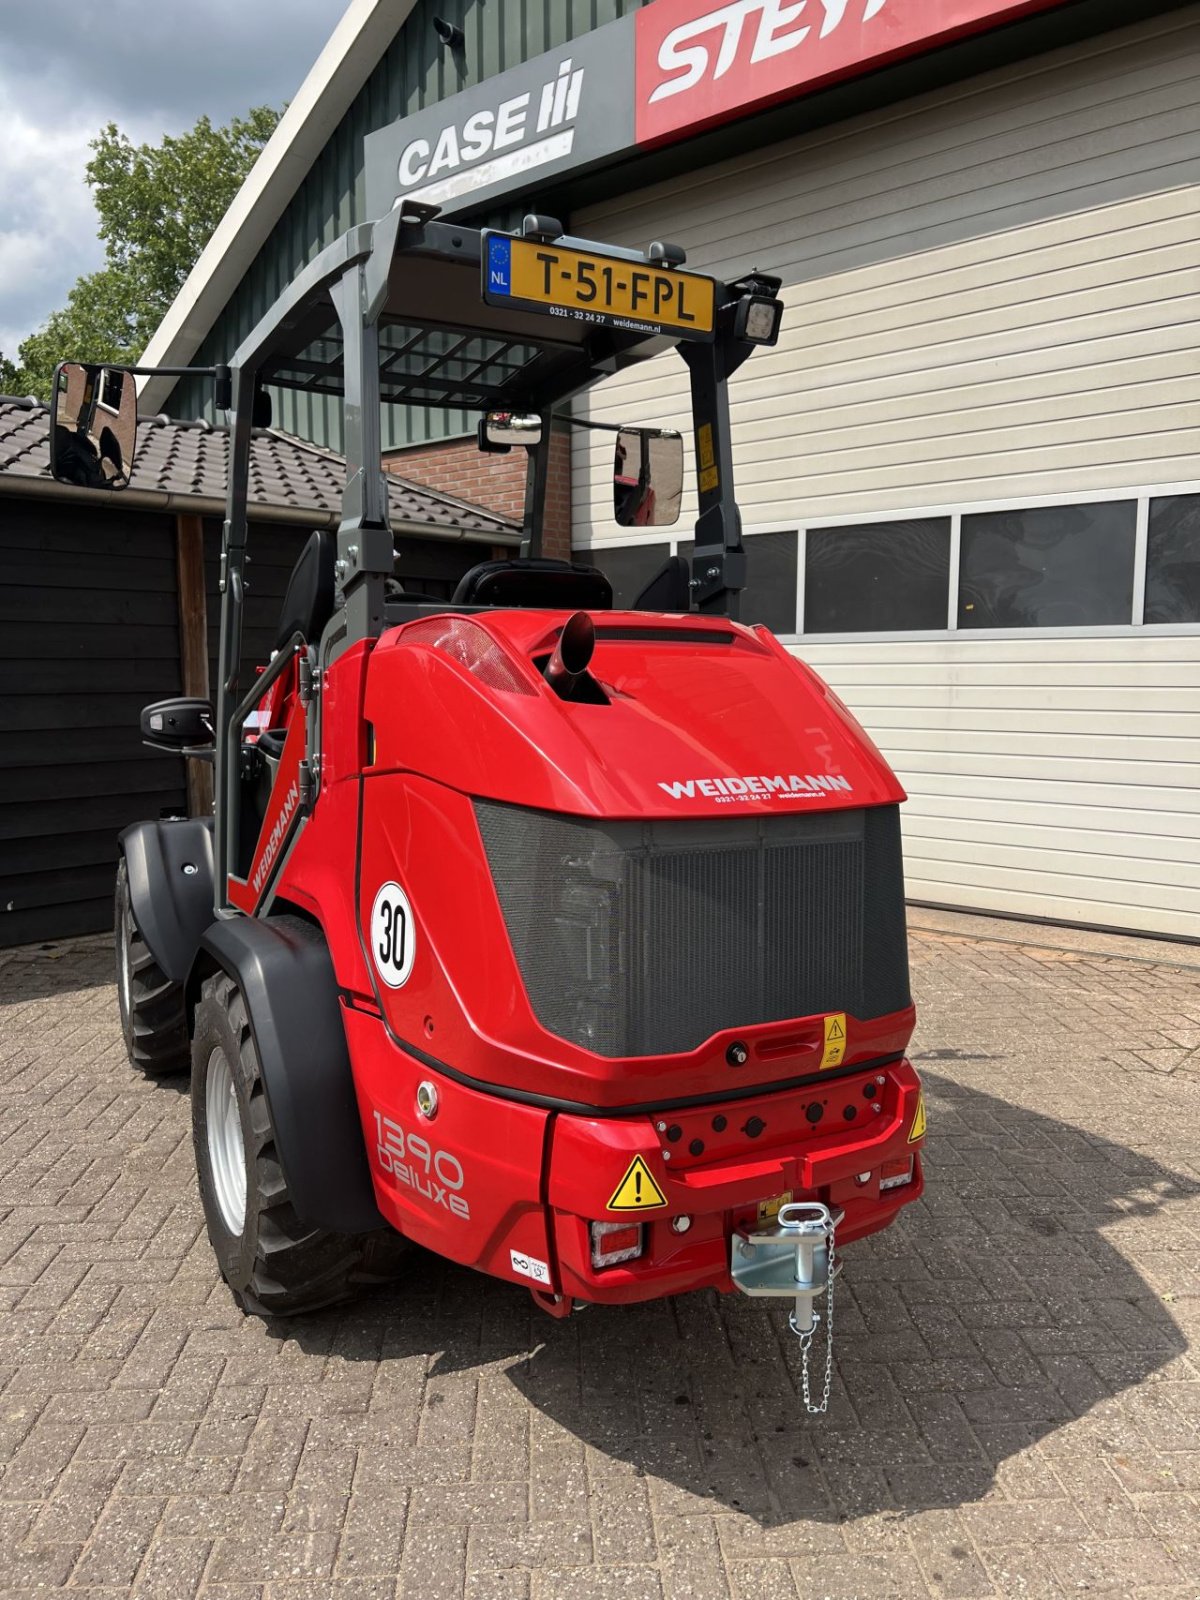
x=124 y=962
x=226 y=1150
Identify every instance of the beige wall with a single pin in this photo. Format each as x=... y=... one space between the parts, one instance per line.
x=993 y=294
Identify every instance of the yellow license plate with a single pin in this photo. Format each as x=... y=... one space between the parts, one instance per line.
x=596 y=288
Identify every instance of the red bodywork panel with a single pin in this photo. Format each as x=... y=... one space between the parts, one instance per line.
x=691 y=701
x=532 y=1133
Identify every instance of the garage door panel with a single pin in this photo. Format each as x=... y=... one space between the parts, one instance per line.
x=968 y=695
x=1091 y=675
x=937 y=811
x=1149 y=894
x=956 y=837
x=1120 y=866
x=1096 y=792
x=1092 y=910
x=1094 y=752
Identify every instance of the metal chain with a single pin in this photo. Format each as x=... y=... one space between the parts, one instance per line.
x=806 y=1340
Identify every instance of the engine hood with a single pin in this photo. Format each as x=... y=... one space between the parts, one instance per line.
x=701 y=717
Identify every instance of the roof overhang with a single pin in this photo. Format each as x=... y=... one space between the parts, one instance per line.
x=26 y=486
x=365 y=31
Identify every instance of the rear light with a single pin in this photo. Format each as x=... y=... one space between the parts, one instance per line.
x=472 y=647
x=616 y=1241
x=894 y=1174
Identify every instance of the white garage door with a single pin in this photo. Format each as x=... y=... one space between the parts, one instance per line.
x=969 y=471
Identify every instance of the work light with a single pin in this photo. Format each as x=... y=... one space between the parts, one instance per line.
x=757 y=319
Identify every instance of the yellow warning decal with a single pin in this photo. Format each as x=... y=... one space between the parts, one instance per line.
x=835 y=1040
x=709 y=477
x=637 y=1190
x=917 y=1131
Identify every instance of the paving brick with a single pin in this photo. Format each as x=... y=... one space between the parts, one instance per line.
x=1016 y=1408
x=600 y=1583
x=1117 y=1565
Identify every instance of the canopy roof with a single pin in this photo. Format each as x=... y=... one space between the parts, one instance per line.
x=440 y=343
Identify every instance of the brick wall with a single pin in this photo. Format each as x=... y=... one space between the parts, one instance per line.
x=459 y=467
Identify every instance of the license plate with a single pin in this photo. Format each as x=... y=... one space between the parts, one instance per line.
x=768 y=1210
x=604 y=290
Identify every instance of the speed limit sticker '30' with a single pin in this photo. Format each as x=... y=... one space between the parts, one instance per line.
x=393 y=935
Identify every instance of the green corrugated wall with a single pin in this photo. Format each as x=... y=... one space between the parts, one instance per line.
x=414 y=73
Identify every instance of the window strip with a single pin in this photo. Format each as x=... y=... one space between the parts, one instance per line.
x=801 y=571
x=952 y=576
x=1141 y=545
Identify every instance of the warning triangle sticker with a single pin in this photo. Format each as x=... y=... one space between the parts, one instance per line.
x=834 y=1052
x=917 y=1131
x=637 y=1190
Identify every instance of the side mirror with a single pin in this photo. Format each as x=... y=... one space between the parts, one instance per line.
x=647 y=478
x=500 y=430
x=93 y=432
x=183 y=726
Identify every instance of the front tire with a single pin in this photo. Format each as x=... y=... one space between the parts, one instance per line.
x=275 y=1263
x=153 y=1011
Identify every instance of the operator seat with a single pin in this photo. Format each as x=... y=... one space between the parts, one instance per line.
x=309 y=597
x=536 y=582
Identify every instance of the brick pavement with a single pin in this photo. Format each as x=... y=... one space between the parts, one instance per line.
x=1017 y=1403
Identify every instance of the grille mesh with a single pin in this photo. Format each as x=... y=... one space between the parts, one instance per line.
x=645 y=938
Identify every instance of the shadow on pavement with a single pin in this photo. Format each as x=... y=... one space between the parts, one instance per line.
x=41 y=971
x=992 y=1313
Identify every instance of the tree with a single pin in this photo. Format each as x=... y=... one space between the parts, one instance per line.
x=10 y=377
x=158 y=206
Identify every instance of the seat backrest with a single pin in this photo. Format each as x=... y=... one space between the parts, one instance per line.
x=309 y=596
x=535 y=583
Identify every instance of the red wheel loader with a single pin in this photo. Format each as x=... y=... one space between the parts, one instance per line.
x=566 y=942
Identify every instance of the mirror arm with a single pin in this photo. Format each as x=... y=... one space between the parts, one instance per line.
x=169 y=372
x=617 y=427
x=536 y=478
x=200 y=752
x=221 y=375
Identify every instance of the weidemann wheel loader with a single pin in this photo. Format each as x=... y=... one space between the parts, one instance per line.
x=566 y=942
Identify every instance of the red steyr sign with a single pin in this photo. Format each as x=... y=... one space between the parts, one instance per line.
x=701 y=62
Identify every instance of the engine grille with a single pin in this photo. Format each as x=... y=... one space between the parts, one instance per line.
x=645 y=938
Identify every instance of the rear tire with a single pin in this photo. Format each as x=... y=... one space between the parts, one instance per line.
x=275 y=1263
x=153 y=1012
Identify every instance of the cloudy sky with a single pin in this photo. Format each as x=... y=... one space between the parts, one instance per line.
x=151 y=66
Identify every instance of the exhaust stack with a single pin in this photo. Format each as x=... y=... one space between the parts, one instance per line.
x=572 y=655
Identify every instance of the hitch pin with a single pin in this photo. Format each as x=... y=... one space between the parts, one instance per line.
x=812 y=1225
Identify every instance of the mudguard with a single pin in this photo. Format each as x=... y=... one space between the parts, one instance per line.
x=170 y=866
x=286 y=977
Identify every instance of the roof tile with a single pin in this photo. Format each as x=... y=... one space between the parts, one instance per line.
x=192 y=458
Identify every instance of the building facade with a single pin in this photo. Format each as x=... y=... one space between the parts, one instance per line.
x=969 y=472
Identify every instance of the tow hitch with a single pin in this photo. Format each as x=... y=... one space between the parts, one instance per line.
x=795 y=1257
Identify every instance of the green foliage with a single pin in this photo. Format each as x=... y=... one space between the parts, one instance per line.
x=94 y=325
x=158 y=206
x=9 y=375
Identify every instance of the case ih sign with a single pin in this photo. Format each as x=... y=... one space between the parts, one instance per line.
x=651 y=78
